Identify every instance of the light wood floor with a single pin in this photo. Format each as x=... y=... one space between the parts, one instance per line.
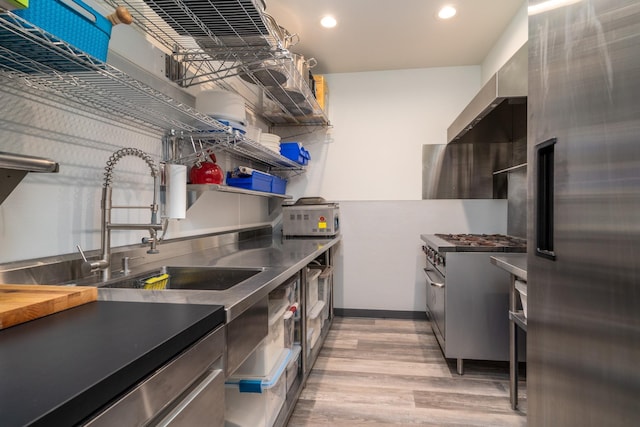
x=383 y=372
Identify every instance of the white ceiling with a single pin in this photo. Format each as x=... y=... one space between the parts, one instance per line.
x=374 y=35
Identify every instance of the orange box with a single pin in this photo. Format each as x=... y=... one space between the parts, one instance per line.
x=322 y=92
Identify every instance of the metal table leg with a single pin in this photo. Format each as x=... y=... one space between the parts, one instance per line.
x=513 y=348
x=513 y=364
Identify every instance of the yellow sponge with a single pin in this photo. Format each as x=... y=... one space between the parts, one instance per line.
x=157 y=282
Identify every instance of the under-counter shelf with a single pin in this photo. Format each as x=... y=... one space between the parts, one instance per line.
x=238 y=39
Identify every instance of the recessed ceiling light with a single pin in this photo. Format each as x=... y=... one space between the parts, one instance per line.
x=328 y=21
x=447 y=12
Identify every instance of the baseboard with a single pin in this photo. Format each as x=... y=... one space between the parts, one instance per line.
x=379 y=314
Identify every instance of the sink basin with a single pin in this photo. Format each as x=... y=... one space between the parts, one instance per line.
x=193 y=278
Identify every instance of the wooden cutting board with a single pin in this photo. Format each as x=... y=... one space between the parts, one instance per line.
x=21 y=303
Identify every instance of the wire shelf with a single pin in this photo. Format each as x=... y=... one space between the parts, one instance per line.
x=219 y=39
x=34 y=59
x=240 y=146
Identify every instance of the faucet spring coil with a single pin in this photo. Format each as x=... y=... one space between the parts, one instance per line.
x=123 y=152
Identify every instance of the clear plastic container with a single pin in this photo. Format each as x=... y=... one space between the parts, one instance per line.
x=312 y=285
x=293 y=367
x=256 y=401
x=265 y=356
x=522 y=289
x=324 y=283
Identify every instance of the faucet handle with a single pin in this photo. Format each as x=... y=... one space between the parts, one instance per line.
x=152 y=242
x=88 y=267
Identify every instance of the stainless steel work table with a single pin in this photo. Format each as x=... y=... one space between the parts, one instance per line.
x=516 y=265
x=280 y=259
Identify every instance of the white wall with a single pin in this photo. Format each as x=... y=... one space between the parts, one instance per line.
x=380 y=122
x=514 y=36
x=380 y=262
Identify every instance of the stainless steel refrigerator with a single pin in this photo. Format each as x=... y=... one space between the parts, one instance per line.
x=583 y=339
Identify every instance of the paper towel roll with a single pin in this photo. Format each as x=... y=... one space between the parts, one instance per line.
x=176 y=181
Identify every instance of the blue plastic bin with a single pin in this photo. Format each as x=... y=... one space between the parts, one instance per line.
x=258 y=181
x=278 y=185
x=295 y=151
x=73 y=22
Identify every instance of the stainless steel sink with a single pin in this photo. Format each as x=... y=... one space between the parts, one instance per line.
x=193 y=278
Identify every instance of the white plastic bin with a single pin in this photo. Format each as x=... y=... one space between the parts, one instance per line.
x=312 y=285
x=522 y=289
x=265 y=356
x=314 y=321
x=285 y=292
x=293 y=366
x=256 y=401
x=324 y=283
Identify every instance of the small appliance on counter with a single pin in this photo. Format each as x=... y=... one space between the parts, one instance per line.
x=311 y=217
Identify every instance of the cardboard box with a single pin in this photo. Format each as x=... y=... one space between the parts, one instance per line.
x=322 y=92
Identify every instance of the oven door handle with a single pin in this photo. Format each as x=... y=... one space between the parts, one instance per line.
x=438 y=284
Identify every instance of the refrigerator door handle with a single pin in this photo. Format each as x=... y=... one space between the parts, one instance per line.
x=545 y=198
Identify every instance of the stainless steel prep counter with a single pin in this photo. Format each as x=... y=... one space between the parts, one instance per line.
x=516 y=265
x=280 y=259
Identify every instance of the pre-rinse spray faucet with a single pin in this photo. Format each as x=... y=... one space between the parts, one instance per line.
x=105 y=262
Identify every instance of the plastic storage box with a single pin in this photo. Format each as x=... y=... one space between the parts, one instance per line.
x=73 y=22
x=324 y=281
x=278 y=185
x=285 y=292
x=312 y=286
x=314 y=321
x=293 y=368
x=522 y=288
x=295 y=151
x=324 y=291
x=258 y=181
x=256 y=401
x=266 y=355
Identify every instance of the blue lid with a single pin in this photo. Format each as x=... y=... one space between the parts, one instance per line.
x=259 y=384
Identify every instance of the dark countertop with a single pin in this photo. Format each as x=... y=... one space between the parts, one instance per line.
x=60 y=369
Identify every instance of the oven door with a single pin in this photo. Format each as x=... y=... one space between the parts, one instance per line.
x=435 y=301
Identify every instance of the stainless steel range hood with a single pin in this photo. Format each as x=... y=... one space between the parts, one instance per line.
x=14 y=167
x=484 y=119
x=489 y=136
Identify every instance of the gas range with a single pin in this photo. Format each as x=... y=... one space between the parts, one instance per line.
x=485 y=242
x=438 y=245
x=467 y=296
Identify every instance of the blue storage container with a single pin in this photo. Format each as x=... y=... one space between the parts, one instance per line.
x=278 y=185
x=258 y=181
x=295 y=151
x=71 y=21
